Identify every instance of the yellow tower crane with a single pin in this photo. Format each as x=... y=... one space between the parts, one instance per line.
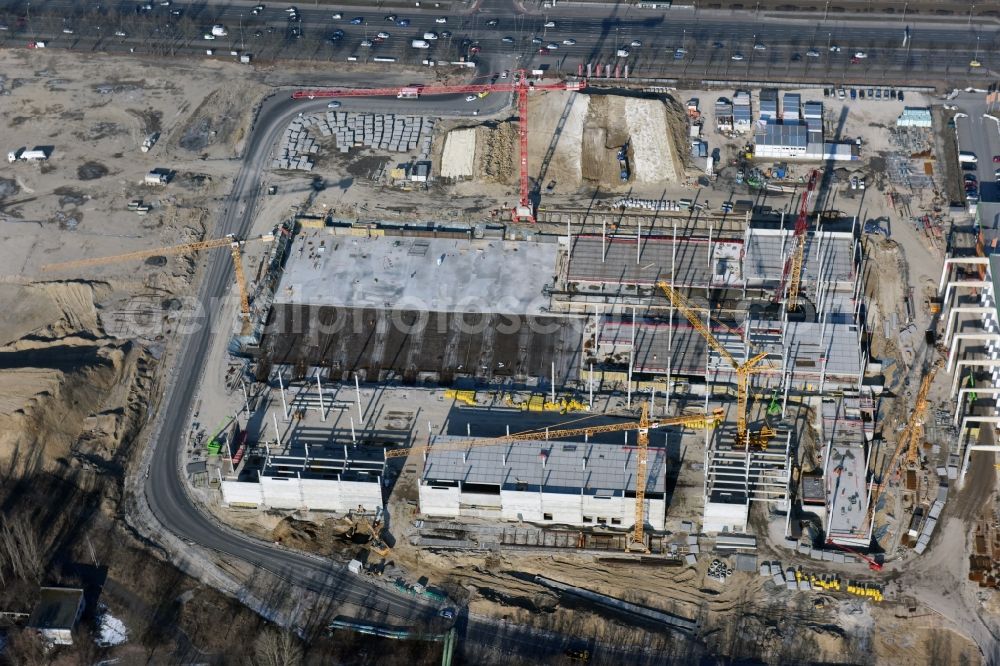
x=636 y=540
x=235 y=248
x=743 y=370
x=908 y=443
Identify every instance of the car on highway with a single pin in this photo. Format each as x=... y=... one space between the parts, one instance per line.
x=796 y=57
x=680 y=49
x=333 y=105
x=812 y=53
x=357 y=20
x=536 y=40
x=543 y=51
x=679 y=54
x=403 y=23
x=860 y=55
x=209 y=37
x=430 y=36
x=367 y=43
x=471 y=98
x=390 y=18
x=717 y=45
x=67 y=31
x=176 y=12
x=507 y=40
x=551 y=46
x=622 y=53
x=492 y=23
x=550 y=24
x=996 y=174
x=446 y=33
x=759 y=47
x=120 y=33
x=336 y=36
x=569 y=42
x=636 y=43
x=504 y=74
x=385 y=35
x=834 y=48
x=447 y=613
x=291 y=10
x=736 y=56
x=441 y=19
x=337 y=16
x=975 y=63
x=257 y=10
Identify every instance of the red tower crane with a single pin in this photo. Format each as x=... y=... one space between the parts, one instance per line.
x=792 y=271
x=524 y=211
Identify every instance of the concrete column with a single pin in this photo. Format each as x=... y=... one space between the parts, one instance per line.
x=956 y=340
x=952 y=317
x=277 y=433
x=281 y=387
x=357 y=393
x=319 y=387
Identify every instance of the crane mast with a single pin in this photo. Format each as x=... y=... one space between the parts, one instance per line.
x=792 y=272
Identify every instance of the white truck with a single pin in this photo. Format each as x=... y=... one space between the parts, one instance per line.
x=36 y=154
x=420 y=44
x=219 y=30
x=967 y=156
x=430 y=35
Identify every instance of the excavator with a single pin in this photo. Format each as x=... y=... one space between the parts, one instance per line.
x=361 y=524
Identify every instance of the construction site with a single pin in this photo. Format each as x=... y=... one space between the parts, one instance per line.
x=518 y=359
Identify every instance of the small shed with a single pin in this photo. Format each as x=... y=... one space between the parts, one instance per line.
x=56 y=614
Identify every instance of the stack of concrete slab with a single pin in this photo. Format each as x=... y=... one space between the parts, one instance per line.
x=295 y=147
x=399 y=134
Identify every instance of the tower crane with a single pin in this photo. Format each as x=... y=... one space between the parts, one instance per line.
x=235 y=248
x=908 y=443
x=743 y=370
x=636 y=540
x=524 y=211
x=792 y=271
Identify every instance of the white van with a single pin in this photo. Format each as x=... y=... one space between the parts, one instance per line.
x=419 y=44
x=430 y=35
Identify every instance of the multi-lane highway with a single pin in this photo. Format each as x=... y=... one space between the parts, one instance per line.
x=658 y=42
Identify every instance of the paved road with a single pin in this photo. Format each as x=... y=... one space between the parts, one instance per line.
x=164 y=487
x=924 y=51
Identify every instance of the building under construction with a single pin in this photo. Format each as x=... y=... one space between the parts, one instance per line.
x=584 y=313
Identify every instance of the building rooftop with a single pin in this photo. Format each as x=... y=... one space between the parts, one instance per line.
x=57 y=608
x=781 y=134
x=551 y=466
x=417 y=273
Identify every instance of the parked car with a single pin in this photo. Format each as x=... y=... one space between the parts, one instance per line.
x=471 y=98
x=333 y=105
x=635 y=42
x=507 y=40
x=569 y=42
x=550 y=24
x=812 y=53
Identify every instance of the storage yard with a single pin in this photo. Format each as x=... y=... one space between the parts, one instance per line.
x=718 y=389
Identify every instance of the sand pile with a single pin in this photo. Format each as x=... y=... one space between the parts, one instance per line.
x=68 y=394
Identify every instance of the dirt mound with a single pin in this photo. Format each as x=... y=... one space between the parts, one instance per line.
x=312 y=537
x=495 y=153
x=69 y=394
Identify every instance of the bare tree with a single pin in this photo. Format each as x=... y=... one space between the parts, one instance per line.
x=25 y=648
x=20 y=554
x=277 y=648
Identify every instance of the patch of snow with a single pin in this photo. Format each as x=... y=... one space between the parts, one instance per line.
x=111 y=631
